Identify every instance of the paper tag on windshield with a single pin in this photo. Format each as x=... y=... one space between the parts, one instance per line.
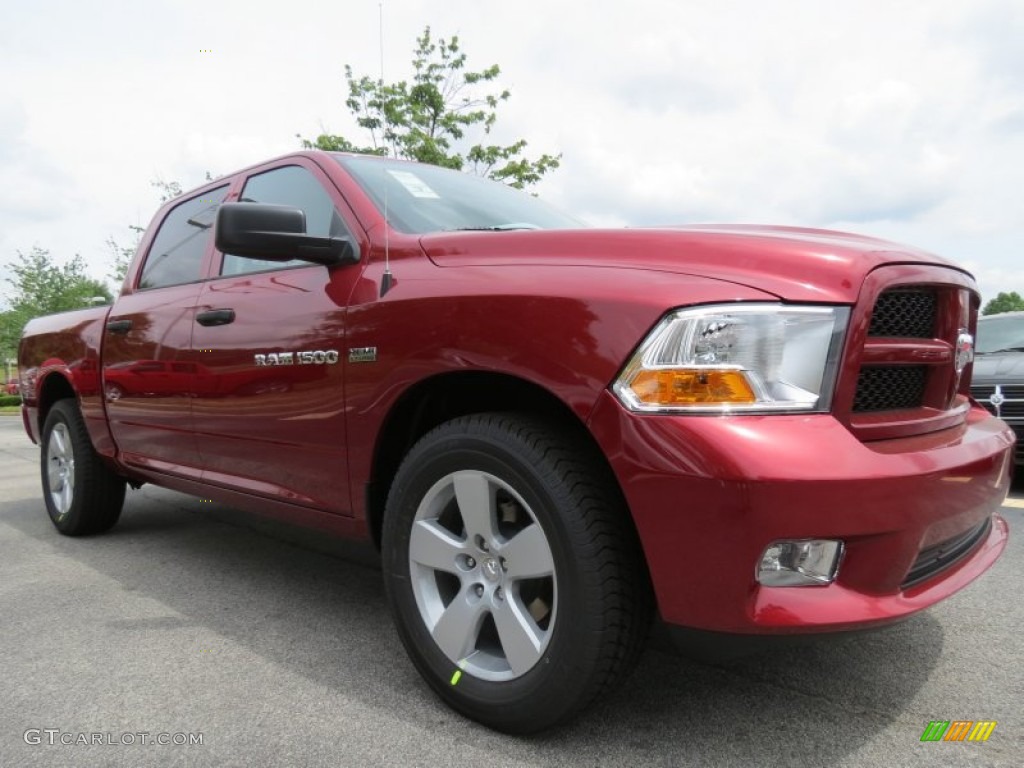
x=413 y=184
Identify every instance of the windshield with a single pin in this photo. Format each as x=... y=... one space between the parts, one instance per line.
x=425 y=198
x=997 y=333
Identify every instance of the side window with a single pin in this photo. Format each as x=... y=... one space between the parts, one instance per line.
x=295 y=186
x=176 y=255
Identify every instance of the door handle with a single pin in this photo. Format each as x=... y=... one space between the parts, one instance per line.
x=216 y=317
x=119 y=326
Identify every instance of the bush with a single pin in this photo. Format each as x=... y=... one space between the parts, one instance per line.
x=6 y=400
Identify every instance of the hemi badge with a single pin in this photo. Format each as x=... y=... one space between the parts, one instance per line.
x=362 y=354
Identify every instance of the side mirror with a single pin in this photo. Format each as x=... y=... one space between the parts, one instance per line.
x=277 y=233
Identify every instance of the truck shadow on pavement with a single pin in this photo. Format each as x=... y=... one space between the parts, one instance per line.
x=316 y=608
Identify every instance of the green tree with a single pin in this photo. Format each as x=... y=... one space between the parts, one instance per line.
x=427 y=119
x=170 y=189
x=1004 y=302
x=40 y=287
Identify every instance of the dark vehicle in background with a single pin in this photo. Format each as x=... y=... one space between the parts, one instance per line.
x=999 y=371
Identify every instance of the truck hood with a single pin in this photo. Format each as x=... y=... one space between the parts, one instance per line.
x=999 y=368
x=791 y=263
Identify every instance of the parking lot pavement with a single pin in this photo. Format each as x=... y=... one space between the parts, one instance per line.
x=1015 y=501
x=276 y=646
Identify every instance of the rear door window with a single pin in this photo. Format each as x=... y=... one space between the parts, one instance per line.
x=176 y=255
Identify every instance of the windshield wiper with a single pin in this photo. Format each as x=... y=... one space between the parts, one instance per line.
x=495 y=228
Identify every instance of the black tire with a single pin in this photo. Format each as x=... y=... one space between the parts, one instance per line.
x=594 y=615
x=83 y=496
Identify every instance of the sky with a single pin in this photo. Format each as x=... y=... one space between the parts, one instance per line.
x=902 y=119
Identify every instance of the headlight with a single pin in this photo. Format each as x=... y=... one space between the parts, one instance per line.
x=737 y=357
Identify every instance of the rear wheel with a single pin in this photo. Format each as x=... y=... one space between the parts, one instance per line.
x=513 y=571
x=82 y=494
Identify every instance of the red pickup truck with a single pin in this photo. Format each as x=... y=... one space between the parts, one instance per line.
x=554 y=434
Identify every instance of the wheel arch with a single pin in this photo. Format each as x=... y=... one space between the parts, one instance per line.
x=446 y=396
x=55 y=387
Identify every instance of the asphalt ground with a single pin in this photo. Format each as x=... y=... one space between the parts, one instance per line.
x=276 y=646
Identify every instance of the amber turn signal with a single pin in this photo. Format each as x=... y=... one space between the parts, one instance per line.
x=682 y=386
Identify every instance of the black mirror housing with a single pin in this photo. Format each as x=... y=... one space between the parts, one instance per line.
x=277 y=233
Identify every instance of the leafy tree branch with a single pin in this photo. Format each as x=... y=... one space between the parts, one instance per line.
x=429 y=118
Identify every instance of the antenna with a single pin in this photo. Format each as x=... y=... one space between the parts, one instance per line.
x=385 y=279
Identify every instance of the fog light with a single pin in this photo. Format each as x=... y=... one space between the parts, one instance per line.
x=800 y=563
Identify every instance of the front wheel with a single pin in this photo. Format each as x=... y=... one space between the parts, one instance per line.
x=82 y=494
x=513 y=571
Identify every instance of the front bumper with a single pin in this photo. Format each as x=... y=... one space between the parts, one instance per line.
x=708 y=494
x=1018 y=427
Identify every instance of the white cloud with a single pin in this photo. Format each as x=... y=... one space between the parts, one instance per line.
x=900 y=118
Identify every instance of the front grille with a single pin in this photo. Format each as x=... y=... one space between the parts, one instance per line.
x=1009 y=405
x=885 y=388
x=898 y=313
x=939 y=557
x=905 y=313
